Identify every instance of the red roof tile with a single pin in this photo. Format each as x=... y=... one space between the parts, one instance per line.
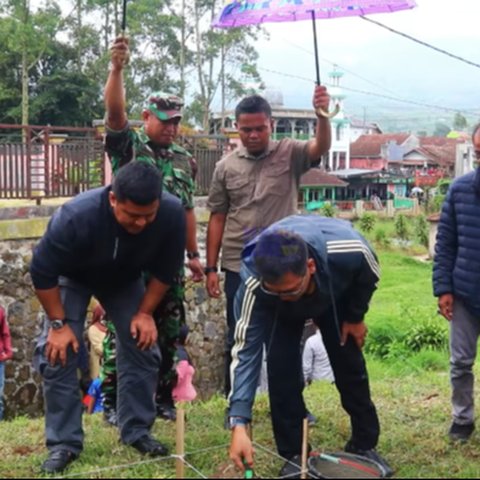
x=370 y=145
x=319 y=178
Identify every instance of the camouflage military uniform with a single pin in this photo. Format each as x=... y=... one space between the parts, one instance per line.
x=108 y=372
x=178 y=169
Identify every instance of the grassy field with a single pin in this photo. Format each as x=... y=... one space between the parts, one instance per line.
x=411 y=393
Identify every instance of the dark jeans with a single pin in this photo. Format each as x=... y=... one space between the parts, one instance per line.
x=232 y=282
x=137 y=370
x=286 y=384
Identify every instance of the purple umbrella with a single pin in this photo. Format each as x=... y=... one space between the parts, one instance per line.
x=253 y=12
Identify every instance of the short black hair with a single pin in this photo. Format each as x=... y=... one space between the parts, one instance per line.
x=253 y=104
x=279 y=252
x=139 y=182
x=476 y=128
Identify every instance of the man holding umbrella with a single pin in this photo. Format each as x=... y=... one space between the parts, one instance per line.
x=154 y=144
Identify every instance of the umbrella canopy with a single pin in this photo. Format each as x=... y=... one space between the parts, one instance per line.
x=253 y=12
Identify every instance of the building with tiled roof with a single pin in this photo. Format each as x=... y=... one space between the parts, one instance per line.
x=316 y=184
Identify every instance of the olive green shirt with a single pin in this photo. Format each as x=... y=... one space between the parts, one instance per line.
x=177 y=166
x=255 y=192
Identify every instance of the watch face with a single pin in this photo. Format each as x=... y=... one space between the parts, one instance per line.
x=56 y=324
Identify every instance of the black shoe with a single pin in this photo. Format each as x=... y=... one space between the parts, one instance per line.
x=373 y=455
x=461 y=433
x=292 y=467
x=149 y=446
x=58 y=461
x=110 y=416
x=167 y=412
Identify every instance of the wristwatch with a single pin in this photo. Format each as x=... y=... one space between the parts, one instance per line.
x=192 y=255
x=57 y=324
x=210 y=270
x=236 y=421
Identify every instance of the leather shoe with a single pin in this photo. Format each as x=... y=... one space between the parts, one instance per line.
x=149 y=446
x=58 y=461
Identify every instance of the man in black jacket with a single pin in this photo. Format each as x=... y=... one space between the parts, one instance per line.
x=99 y=244
x=303 y=267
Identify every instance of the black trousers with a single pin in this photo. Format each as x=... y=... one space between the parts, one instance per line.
x=232 y=282
x=286 y=383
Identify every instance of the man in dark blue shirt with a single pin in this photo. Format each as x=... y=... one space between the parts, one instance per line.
x=99 y=244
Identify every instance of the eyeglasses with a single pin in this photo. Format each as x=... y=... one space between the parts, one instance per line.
x=288 y=293
x=167 y=103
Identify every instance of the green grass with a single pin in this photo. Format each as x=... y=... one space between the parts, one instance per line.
x=411 y=393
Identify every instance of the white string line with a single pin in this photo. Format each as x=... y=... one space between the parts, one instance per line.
x=198 y=472
x=144 y=462
x=118 y=467
x=275 y=454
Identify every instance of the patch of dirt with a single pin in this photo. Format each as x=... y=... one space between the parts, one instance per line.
x=227 y=470
x=25 y=450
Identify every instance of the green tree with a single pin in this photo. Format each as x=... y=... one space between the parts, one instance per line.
x=441 y=129
x=459 y=122
x=29 y=37
x=224 y=59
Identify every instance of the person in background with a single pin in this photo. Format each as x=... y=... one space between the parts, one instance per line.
x=252 y=187
x=96 y=333
x=6 y=353
x=316 y=365
x=456 y=283
x=95 y=396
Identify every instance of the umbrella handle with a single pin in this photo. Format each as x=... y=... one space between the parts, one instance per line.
x=322 y=113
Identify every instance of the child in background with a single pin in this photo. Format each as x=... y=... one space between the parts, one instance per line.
x=94 y=395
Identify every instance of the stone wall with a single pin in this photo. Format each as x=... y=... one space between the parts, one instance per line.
x=23 y=394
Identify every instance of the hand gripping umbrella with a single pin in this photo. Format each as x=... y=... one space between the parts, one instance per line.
x=253 y=12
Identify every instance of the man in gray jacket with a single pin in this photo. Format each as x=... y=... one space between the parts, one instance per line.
x=99 y=244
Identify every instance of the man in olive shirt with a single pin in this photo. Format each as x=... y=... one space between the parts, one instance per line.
x=253 y=187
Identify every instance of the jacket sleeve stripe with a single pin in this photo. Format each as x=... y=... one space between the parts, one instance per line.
x=355 y=246
x=242 y=325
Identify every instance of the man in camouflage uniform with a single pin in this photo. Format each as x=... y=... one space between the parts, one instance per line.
x=154 y=143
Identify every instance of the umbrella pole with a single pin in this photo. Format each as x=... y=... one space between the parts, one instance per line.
x=320 y=111
x=315 y=46
x=124 y=18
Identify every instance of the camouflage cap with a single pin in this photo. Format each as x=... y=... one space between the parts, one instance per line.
x=165 y=106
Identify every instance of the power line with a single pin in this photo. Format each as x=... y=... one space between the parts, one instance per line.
x=363 y=92
x=337 y=64
x=421 y=42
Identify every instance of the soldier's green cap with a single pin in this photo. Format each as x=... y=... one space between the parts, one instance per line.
x=165 y=105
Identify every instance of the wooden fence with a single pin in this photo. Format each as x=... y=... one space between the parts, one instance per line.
x=39 y=162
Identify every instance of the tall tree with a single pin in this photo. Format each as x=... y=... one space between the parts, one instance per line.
x=30 y=37
x=224 y=59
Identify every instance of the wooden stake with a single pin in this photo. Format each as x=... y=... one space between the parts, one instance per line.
x=304 y=448
x=180 y=441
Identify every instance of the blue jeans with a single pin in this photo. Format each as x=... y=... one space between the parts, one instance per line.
x=137 y=370
x=2 y=385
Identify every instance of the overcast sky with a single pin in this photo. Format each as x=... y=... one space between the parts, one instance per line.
x=381 y=62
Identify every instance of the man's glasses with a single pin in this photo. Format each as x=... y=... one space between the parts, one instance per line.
x=288 y=293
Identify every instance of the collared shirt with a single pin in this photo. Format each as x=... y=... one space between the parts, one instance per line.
x=255 y=192
x=177 y=166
